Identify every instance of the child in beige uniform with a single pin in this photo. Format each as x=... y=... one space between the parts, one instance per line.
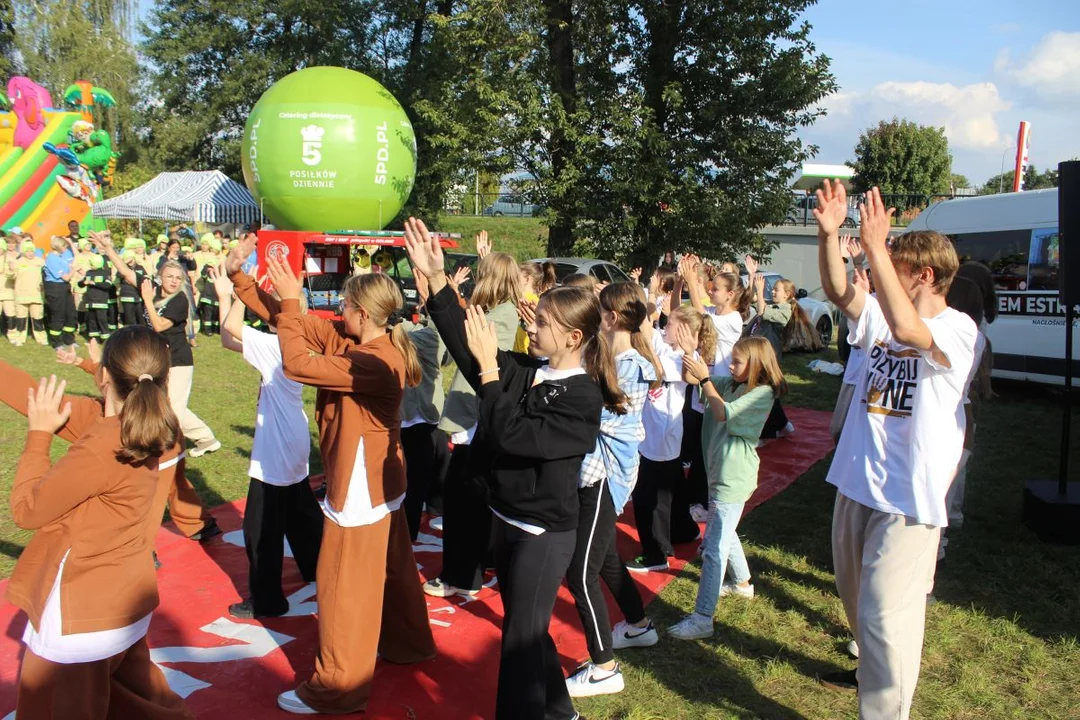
x=29 y=295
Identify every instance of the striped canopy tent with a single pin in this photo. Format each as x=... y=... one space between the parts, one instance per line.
x=193 y=196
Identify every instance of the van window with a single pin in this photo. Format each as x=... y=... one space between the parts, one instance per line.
x=1004 y=252
x=1044 y=260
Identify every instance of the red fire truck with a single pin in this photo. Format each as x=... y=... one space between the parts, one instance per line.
x=327 y=259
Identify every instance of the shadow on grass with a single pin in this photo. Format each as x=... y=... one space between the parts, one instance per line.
x=210 y=496
x=10 y=549
x=248 y=430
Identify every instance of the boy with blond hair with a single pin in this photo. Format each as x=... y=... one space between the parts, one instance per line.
x=900 y=444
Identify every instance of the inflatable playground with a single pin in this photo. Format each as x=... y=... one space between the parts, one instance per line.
x=53 y=161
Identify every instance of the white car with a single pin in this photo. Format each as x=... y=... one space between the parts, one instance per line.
x=820 y=313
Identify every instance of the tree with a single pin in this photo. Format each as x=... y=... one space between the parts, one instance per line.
x=7 y=39
x=1033 y=180
x=959 y=181
x=62 y=41
x=900 y=157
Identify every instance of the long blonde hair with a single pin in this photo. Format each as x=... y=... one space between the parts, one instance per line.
x=498 y=280
x=381 y=298
x=702 y=328
x=762 y=365
x=627 y=300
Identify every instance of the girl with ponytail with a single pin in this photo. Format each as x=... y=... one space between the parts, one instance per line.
x=539 y=420
x=369 y=601
x=772 y=322
x=86 y=579
x=608 y=476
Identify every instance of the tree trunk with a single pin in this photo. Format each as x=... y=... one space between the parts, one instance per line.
x=560 y=44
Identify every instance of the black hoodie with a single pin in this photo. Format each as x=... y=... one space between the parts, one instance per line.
x=537 y=435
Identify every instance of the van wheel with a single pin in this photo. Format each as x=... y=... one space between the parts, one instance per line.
x=824 y=329
x=848 y=223
x=788 y=221
x=497 y=213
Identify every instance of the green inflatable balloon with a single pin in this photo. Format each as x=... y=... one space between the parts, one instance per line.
x=327 y=148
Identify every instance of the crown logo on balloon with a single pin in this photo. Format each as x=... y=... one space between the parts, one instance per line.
x=312 y=133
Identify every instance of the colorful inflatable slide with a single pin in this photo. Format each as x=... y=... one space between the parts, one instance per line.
x=30 y=196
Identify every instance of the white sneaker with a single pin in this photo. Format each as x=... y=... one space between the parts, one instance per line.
x=436 y=523
x=290 y=702
x=626 y=635
x=692 y=627
x=699 y=514
x=205 y=449
x=590 y=680
x=730 y=588
x=788 y=429
x=853 y=649
x=437 y=588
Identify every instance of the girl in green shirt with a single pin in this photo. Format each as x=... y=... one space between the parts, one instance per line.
x=736 y=410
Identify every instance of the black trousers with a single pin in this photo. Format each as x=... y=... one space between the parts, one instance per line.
x=60 y=305
x=652 y=507
x=131 y=312
x=97 y=322
x=208 y=318
x=418 y=444
x=466 y=522
x=437 y=485
x=530 y=569
x=274 y=513
x=595 y=557
x=776 y=422
x=694 y=488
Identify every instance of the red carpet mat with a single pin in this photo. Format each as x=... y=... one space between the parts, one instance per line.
x=234 y=670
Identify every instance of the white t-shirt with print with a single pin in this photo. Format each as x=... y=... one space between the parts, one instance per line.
x=279 y=454
x=662 y=414
x=904 y=432
x=729 y=329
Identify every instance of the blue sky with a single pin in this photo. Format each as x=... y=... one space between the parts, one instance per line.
x=976 y=67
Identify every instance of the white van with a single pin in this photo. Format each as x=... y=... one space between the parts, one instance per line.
x=1016 y=236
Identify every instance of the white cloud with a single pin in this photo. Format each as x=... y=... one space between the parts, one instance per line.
x=839 y=103
x=967 y=113
x=1051 y=69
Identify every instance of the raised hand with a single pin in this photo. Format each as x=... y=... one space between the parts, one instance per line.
x=460 y=275
x=281 y=275
x=423 y=290
x=93 y=349
x=43 y=409
x=861 y=279
x=424 y=250
x=483 y=244
x=236 y=258
x=146 y=290
x=831 y=210
x=481 y=338
x=222 y=284
x=67 y=356
x=635 y=274
x=685 y=339
x=853 y=248
x=526 y=311
x=751 y=265
x=688 y=268
x=876 y=223
x=694 y=369
x=101 y=240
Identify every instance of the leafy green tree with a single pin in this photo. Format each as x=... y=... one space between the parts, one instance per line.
x=7 y=40
x=959 y=181
x=900 y=157
x=1033 y=180
x=62 y=41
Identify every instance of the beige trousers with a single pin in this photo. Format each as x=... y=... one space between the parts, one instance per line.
x=194 y=429
x=884 y=567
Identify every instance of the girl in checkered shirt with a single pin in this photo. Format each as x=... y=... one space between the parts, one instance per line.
x=608 y=475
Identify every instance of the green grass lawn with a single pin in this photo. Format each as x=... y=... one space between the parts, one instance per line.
x=524 y=238
x=1001 y=639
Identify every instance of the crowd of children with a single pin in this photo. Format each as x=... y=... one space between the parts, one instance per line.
x=625 y=393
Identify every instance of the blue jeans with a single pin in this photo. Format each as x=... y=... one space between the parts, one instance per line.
x=720 y=550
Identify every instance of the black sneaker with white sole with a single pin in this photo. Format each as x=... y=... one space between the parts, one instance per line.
x=642 y=565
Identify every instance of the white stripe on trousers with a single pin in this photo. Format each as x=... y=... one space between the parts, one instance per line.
x=585 y=566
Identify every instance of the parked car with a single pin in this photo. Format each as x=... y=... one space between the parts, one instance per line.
x=802 y=207
x=602 y=270
x=820 y=313
x=512 y=206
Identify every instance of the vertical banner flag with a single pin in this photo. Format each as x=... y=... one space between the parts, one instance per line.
x=1022 y=140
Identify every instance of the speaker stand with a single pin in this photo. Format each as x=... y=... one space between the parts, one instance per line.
x=1052 y=508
